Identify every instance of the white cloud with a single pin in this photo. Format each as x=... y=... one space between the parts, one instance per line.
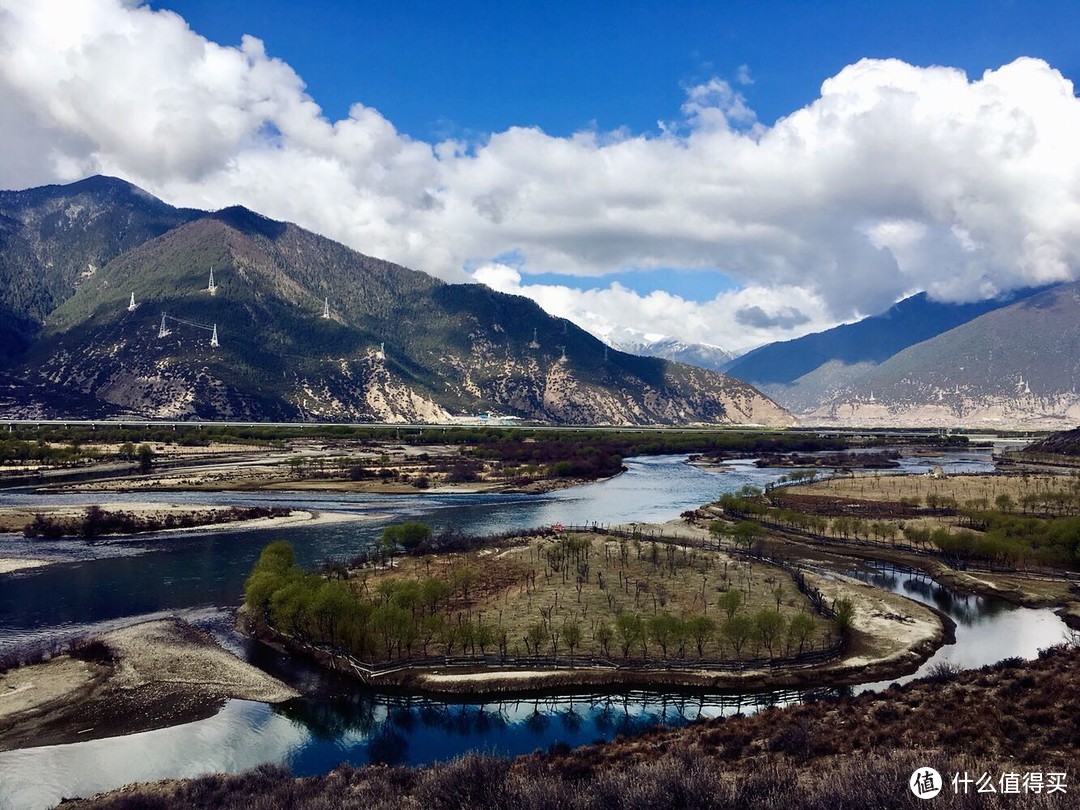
x=896 y=179
x=737 y=320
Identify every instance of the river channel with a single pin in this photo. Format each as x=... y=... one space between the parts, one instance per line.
x=199 y=576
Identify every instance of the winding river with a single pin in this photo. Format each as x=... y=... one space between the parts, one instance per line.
x=199 y=576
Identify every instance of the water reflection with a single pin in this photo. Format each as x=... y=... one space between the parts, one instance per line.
x=987 y=629
x=190 y=574
x=241 y=736
x=376 y=727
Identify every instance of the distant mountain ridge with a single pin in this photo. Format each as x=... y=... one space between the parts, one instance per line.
x=1016 y=365
x=398 y=346
x=992 y=363
x=870 y=340
x=702 y=355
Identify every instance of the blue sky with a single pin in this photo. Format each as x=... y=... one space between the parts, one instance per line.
x=438 y=68
x=718 y=172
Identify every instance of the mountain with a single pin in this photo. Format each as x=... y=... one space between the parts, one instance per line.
x=1016 y=365
x=702 y=355
x=871 y=340
x=398 y=345
x=54 y=237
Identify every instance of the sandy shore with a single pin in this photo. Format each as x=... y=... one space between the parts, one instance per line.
x=294 y=518
x=165 y=672
x=9 y=564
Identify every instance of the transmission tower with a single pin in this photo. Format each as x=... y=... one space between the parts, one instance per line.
x=132 y=305
x=164 y=331
x=213 y=338
x=212 y=287
x=326 y=308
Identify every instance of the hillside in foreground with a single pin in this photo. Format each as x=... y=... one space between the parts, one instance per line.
x=1009 y=722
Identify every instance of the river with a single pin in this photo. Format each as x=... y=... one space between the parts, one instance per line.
x=200 y=575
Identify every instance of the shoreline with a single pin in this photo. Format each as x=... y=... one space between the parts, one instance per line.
x=892 y=636
x=537 y=487
x=161 y=673
x=305 y=517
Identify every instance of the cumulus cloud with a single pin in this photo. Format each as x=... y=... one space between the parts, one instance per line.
x=736 y=320
x=896 y=179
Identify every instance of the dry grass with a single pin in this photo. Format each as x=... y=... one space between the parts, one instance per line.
x=962 y=488
x=542 y=582
x=829 y=754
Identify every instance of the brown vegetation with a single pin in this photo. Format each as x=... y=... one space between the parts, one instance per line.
x=1016 y=717
x=96 y=521
x=574 y=598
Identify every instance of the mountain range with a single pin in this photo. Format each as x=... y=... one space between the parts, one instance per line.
x=1002 y=362
x=703 y=355
x=396 y=345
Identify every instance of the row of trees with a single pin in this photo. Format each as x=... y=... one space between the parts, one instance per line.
x=402 y=618
x=994 y=537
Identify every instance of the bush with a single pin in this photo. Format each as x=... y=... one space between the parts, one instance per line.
x=94 y=651
x=944 y=671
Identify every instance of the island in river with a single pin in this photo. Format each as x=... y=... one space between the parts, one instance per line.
x=884 y=609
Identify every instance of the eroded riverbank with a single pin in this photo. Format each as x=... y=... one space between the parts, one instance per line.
x=141 y=677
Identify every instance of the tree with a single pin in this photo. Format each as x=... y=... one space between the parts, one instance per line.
x=769 y=627
x=719 y=529
x=275 y=567
x=629 y=629
x=333 y=606
x=388 y=543
x=146 y=457
x=662 y=630
x=534 y=637
x=571 y=634
x=433 y=590
x=414 y=535
x=746 y=532
x=485 y=636
x=843 y=616
x=462 y=579
x=738 y=630
x=800 y=630
x=730 y=601
x=604 y=635
x=700 y=628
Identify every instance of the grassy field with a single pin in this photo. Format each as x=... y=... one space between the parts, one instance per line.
x=1018 y=521
x=960 y=488
x=588 y=582
x=549 y=597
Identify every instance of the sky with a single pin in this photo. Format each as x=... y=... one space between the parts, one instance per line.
x=722 y=173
